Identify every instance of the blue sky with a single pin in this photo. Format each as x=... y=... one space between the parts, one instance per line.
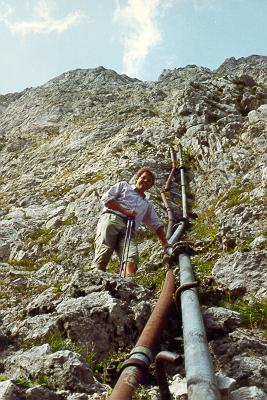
x=40 y=39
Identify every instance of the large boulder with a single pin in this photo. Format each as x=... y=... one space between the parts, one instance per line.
x=244 y=272
x=59 y=370
x=95 y=308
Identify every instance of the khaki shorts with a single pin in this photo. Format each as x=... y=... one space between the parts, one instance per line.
x=110 y=234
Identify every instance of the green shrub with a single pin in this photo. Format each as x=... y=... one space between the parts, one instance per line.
x=57 y=289
x=253 y=315
x=205 y=226
x=106 y=370
x=152 y=280
x=22 y=381
x=56 y=193
x=42 y=236
x=203 y=266
x=236 y=196
x=58 y=342
x=26 y=264
x=71 y=219
x=54 y=257
x=244 y=247
x=41 y=380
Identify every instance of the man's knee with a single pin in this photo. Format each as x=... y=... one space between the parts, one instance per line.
x=103 y=254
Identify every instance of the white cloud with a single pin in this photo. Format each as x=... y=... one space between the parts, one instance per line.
x=5 y=12
x=42 y=21
x=141 y=32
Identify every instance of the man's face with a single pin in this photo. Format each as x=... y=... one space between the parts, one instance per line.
x=144 y=182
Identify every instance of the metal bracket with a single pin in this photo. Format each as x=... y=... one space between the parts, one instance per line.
x=143 y=350
x=181 y=289
x=183 y=247
x=161 y=359
x=135 y=362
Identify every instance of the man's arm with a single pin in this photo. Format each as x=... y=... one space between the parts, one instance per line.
x=114 y=205
x=161 y=235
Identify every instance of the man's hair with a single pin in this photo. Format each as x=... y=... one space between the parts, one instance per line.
x=148 y=170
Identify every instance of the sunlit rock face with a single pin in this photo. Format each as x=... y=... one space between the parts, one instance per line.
x=61 y=146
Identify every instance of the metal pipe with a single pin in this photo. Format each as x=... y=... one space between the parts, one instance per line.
x=160 y=361
x=128 y=381
x=201 y=381
x=166 y=189
x=174 y=168
x=150 y=335
x=182 y=175
x=169 y=214
x=135 y=368
x=180 y=228
x=177 y=233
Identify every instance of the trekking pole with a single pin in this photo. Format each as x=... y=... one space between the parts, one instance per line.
x=126 y=246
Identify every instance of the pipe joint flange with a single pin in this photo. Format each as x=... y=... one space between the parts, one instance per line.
x=184 y=247
x=185 y=220
x=135 y=362
x=143 y=350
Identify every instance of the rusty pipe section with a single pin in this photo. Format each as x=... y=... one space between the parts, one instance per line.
x=130 y=378
x=182 y=224
x=182 y=175
x=169 y=214
x=136 y=367
x=161 y=359
x=167 y=189
x=150 y=335
x=173 y=170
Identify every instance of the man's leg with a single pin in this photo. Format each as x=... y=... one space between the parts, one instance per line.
x=133 y=256
x=130 y=268
x=105 y=241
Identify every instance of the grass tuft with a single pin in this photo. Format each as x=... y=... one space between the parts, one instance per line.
x=253 y=315
x=42 y=236
x=71 y=219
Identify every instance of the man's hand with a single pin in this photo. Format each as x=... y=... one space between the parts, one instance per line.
x=114 y=205
x=130 y=213
x=167 y=248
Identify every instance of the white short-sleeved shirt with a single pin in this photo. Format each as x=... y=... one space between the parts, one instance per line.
x=127 y=197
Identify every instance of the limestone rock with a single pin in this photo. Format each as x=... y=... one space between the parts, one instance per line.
x=248 y=393
x=93 y=302
x=62 y=369
x=245 y=272
x=241 y=355
x=38 y=392
x=10 y=391
x=178 y=386
x=219 y=321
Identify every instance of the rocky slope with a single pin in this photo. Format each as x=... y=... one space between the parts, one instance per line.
x=62 y=145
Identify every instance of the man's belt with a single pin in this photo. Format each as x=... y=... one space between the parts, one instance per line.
x=114 y=213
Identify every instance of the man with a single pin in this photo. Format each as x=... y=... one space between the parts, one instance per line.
x=121 y=201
